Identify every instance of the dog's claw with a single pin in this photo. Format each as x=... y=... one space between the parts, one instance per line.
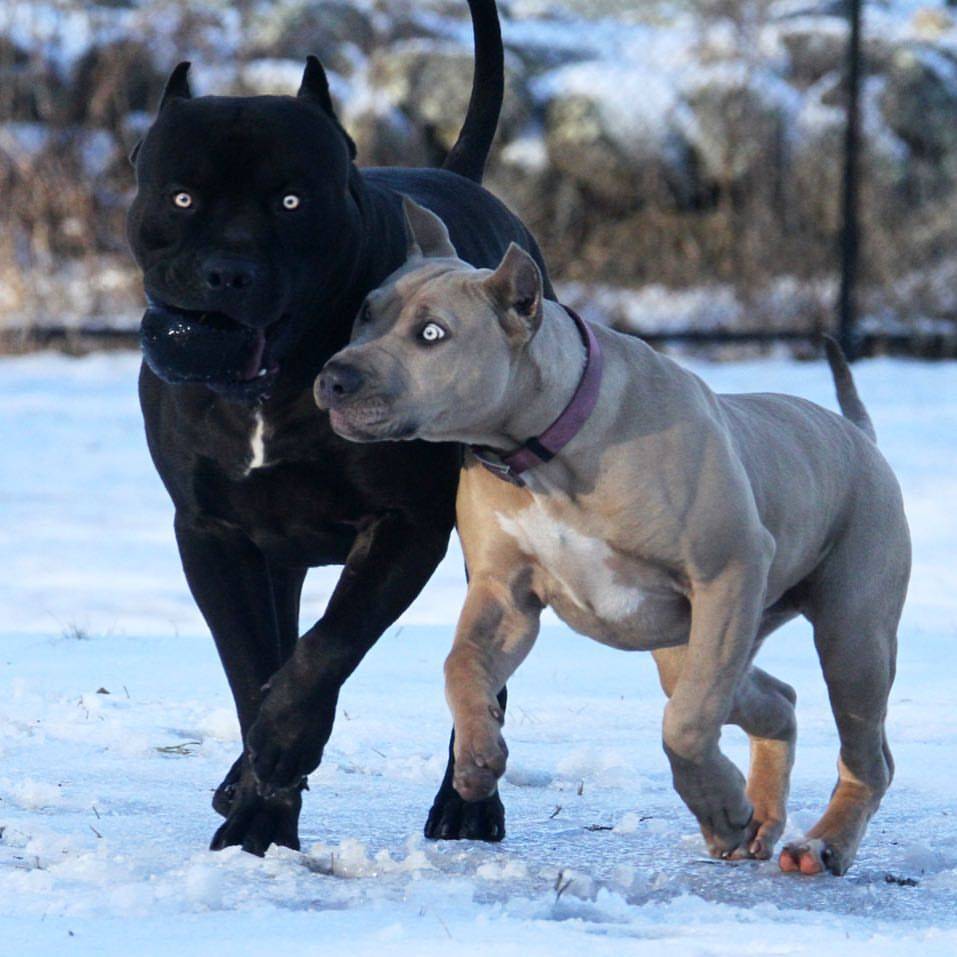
x=226 y=792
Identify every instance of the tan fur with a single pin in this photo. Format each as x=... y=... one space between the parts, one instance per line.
x=677 y=521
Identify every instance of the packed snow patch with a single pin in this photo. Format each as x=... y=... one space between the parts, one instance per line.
x=116 y=724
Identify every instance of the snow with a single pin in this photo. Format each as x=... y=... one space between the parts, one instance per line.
x=116 y=723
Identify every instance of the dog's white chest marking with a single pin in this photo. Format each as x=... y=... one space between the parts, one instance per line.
x=579 y=564
x=257 y=443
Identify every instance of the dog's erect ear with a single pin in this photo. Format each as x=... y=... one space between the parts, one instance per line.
x=516 y=287
x=426 y=235
x=177 y=86
x=315 y=87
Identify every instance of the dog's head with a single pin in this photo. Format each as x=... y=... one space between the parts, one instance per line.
x=435 y=348
x=243 y=224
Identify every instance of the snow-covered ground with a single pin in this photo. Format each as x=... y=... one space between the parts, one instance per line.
x=115 y=723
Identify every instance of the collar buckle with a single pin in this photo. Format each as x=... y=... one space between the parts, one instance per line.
x=497 y=467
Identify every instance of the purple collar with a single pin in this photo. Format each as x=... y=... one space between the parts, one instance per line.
x=542 y=448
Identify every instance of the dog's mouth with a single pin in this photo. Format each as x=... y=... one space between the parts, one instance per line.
x=369 y=420
x=211 y=348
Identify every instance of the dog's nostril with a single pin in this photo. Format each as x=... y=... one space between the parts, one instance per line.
x=227 y=274
x=339 y=382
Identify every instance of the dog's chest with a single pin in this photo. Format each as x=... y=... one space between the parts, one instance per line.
x=256 y=453
x=580 y=568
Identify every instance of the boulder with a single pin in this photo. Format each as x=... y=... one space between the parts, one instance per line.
x=919 y=101
x=814 y=48
x=614 y=130
x=29 y=87
x=430 y=82
x=111 y=80
x=340 y=34
x=735 y=122
x=385 y=136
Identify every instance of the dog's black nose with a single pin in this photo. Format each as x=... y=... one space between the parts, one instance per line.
x=338 y=381
x=230 y=273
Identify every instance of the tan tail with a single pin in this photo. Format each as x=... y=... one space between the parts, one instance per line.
x=847 y=398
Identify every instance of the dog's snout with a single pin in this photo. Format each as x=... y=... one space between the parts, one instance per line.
x=230 y=273
x=338 y=381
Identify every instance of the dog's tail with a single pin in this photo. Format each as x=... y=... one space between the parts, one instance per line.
x=467 y=157
x=847 y=398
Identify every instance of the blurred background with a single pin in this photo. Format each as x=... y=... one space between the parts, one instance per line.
x=680 y=161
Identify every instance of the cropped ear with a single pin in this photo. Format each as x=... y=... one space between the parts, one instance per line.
x=315 y=87
x=426 y=235
x=516 y=289
x=177 y=86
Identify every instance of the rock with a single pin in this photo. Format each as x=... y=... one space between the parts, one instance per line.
x=431 y=83
x=614 y=131
x=736 y=122
x=29 y=87
x=919 y=102
x=339 y=33
x=384 y=136
x=112 y=80
x=814 y=48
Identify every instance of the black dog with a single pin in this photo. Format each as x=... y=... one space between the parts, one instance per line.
x=258 y=239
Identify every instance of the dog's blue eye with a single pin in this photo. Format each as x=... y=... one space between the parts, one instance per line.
x=182 y=200
x=291 y=201
x=432 y=332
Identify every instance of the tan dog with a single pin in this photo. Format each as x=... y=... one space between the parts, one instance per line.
x=675 y=521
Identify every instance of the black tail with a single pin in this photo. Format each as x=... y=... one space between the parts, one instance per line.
x=468 y=156
x=847 y=398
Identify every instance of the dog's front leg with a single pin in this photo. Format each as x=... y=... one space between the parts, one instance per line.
x=725 y=615
x=230 y=580
x=496 y=631
x=387 y=567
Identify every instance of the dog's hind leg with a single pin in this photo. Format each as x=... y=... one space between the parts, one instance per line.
x=855 y=608
x=287 y=592
x=451 y=817
x=764 y=710
x=857 y=655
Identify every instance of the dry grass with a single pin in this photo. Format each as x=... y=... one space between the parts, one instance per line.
x=65 y=184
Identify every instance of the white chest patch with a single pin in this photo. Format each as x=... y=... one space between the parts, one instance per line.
x=257 y=443
x=579 y=564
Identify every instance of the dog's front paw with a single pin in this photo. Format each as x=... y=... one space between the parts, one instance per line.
x=713 y=790
x=760 y=838
x=480 y=758
x=286 y=741
x=254 y=821
x=453 y=819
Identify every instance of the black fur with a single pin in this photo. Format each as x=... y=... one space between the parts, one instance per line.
x=294 y=282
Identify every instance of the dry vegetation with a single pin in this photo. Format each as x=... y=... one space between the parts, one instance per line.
x=753 y=210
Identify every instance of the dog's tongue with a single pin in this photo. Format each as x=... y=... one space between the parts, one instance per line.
x=255 y=358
